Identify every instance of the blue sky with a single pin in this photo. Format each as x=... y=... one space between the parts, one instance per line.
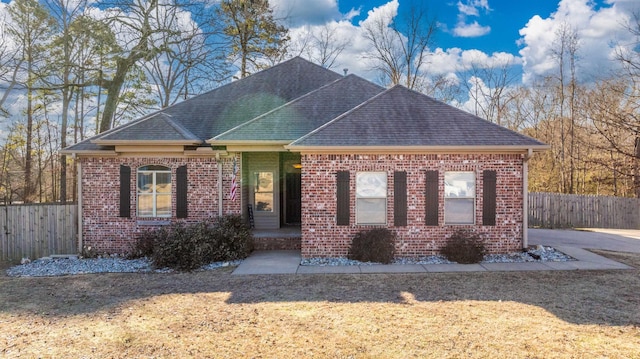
x=502 y=20
x=518 y=31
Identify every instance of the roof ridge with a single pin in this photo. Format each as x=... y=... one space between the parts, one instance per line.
x=295 y=100
x=178 y=127
x=341 y=116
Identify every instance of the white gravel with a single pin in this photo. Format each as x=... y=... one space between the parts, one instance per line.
x=545 y=254
x=47 y=267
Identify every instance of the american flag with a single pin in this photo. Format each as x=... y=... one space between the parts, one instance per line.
x=234 y=183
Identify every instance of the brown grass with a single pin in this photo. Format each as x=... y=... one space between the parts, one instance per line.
x=213 y=314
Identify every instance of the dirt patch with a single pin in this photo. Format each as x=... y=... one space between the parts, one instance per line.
x=215 y=314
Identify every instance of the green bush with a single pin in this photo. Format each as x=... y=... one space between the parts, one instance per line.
x=190 y=246
x=375 y=245
x=464 y=247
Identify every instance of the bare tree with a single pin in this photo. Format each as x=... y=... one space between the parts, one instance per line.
x=325 y=45
x=488 y=87
x=565 y=52
x=140 y=23
x=30 y=28
x=400 y=47
x=175 y=71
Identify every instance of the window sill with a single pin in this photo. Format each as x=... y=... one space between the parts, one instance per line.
x=153 y=222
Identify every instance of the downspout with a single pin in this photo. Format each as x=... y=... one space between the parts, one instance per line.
x=525 y=199
x=220 y=194
x=79 y=189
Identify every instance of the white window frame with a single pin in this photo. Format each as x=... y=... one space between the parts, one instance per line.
x=453 y=193
x=153 y=170
x=361 y=195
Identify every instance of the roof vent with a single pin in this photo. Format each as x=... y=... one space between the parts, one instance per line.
x=345 y=71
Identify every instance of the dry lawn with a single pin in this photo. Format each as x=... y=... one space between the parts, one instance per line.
x=574 y=314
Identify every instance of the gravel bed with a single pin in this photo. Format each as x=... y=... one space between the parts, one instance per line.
x=49 y=267
x=533 y=254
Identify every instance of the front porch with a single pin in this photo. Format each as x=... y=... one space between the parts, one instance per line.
x=284 y=238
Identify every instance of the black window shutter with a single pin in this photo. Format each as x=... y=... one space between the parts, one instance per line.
x=399 y=198
x=489 y=198
x=181 y=192
x=125 y=191
x=431 y=199
x=343 y=199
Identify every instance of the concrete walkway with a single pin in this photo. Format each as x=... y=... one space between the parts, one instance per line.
x=572 y=243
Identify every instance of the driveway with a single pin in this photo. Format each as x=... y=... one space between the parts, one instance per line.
x=619 y=240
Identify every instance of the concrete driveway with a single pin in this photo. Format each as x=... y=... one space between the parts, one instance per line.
x=619 y=240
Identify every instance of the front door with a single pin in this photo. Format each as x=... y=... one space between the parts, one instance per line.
x=263 y=188
x=293 y=192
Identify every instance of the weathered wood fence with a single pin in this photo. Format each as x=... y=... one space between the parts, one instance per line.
x=554 y=210
x=37 y=230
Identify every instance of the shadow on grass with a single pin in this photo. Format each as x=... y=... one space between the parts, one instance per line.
x=581 y=297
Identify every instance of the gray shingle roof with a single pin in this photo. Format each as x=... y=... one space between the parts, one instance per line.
x=402 y=117
x=315 y=108
x=227 y=106
x=157 y=127
x=304 y=114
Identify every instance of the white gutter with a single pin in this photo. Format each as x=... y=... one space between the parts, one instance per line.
x=79 y=184
x=220 y=194
x=525 y=199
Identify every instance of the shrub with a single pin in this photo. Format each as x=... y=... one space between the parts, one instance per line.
x=189 y=247
x=464 y=247
x=375 y=245
x=234 y=239
x=143 y=244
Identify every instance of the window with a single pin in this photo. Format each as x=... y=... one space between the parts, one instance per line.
x=263 y=191
x=154 y=191
x=371 y=198
x=459 y=197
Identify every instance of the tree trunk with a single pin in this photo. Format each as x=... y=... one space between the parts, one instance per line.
x=113 y=92
x=636 y=167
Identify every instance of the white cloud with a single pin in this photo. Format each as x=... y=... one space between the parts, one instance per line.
x=471 y=30
x=599 y=30
x=473 y=7
x=455 y=60
x=386 y=12
x=298 y=12
x=467 y=9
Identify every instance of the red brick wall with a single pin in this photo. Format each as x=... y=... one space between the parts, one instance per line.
x=104 y=232
x=321 y=237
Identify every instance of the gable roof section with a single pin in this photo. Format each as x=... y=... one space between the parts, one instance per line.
x=403 y=118
x=158 y=128
x=304 y=114
x=209 y=114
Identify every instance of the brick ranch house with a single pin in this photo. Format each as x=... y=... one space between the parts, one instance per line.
x=300 y=145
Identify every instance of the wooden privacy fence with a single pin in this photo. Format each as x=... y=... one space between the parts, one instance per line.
x=554 y=210
x=38 y=230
